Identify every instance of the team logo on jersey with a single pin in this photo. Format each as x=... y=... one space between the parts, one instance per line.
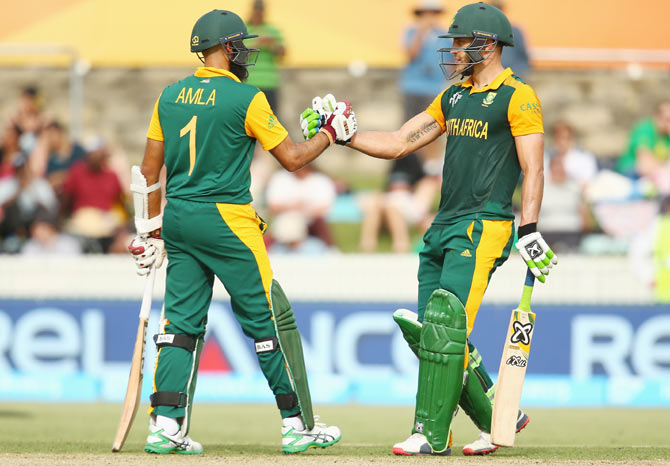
x=488 y=100
x=272 y=121
x=455 y=98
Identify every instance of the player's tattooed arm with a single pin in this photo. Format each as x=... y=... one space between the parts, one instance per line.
x=416 y=133
x=425 y=129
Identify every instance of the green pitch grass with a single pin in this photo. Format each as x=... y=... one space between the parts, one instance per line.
x=226 y=430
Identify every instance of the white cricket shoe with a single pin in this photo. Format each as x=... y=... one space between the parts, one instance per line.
x=417 y=445
x=481 y=446
x=297 y=438
x=161 y=442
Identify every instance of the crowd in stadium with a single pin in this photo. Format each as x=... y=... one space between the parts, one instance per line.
x=63 y=196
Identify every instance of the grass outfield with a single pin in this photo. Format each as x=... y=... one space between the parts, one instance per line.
x=55 y=434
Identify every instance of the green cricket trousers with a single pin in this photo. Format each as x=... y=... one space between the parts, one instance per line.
x=460 y=258
x=204 y=240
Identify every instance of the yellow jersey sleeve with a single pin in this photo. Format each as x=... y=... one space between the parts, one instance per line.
x=262 y=124
x=155 y=131
x=525 y=112
x=435 y=110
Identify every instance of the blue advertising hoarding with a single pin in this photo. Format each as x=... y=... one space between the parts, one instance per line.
x=581 y=355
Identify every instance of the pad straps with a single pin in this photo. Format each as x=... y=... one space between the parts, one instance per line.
x=174 y=339
x=177 y=399
x=266 y=345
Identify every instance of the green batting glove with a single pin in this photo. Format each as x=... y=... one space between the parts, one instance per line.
x=310 y=122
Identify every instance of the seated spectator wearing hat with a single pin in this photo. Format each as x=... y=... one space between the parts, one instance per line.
x=93 y=195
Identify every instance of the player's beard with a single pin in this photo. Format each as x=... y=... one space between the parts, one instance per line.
x=240 y=71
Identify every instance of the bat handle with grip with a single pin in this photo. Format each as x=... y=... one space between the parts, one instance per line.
x=530 y=278
x=145 y=309
x=524 y=305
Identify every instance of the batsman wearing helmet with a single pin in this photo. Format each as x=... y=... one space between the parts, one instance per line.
x=203 y=130
x=494 y=128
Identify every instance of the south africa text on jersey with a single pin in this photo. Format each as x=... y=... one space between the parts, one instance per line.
x=187 y=96
x=468 y=127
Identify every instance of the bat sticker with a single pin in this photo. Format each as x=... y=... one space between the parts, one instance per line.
x=521 y=332
x=516 y=361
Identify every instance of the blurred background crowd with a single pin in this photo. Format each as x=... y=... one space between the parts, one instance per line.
x=66 y=191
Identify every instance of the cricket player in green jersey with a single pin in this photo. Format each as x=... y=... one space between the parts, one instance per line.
x=494 y=128
x=203 y=130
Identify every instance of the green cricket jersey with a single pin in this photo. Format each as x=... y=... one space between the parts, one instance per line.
x=209 y=123
x=481 y=167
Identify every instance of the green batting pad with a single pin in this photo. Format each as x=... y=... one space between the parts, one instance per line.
x=291 y=347
x=410 y=328
x=441 y=362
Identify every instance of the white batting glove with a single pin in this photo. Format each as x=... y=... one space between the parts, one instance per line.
x=336 y=119
x=340 y=119
x=538 y=255
x=147 y=252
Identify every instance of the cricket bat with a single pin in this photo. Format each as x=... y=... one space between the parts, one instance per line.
x=134 y=389
x=512 y=370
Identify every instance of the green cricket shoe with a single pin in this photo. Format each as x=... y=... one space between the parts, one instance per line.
x=296 y=438
x=161 y=443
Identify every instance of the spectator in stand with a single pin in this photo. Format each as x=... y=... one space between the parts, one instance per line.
x=290 y=235
x=648 y=153
x=93 y=195
x=515 y=57
x=21 y=197
x=9 y=150
x=568 y=172
x=28 y=118
x=406 y=203
x=46 y=238
x=307 y=192
x=55 y=154
x=265 y=74
x=421 y=79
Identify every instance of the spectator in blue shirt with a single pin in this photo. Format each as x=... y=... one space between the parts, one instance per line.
x=421 y=80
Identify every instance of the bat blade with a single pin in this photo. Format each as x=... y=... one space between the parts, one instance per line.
x=134 y=389
x=512 y=371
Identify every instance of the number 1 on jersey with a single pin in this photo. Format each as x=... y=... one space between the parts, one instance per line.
x=190 y=128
